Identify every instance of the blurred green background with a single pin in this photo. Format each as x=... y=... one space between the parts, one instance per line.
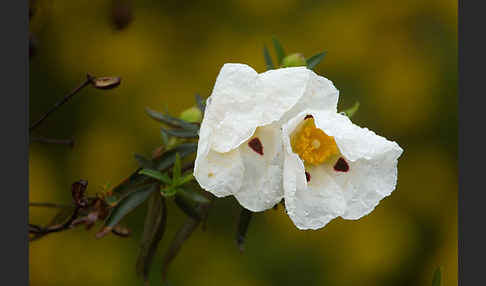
x=398 y=58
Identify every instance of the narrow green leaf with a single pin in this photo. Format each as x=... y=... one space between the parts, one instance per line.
x=169 y=120
x=268 y=59
x=243 y=223
x=352 y=110
x=143 y=162
x=185 y=179
x=437 y=279
x=313 y=61
x=176 y=172
x=168 y=158
x=193 y=196
x=278 y=50
x=164 y=137
x=200 y=103
x=181 y=133
x=186 y=206
x=133 y=183
x=156 y=175
x=128 y=204
x=153 y=231
x=181 y=236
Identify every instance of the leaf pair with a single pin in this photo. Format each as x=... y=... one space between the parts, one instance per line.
x=181 y=128
x=171 y=184
x=153 y=231
x=126 y=205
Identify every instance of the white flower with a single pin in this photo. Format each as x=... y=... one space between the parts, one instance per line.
x=334 y=168
x=240 y=150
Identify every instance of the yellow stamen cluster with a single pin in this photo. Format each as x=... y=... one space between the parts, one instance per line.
x=313 y=145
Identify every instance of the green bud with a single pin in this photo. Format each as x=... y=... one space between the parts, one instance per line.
x=294 y=60
x=192 y=115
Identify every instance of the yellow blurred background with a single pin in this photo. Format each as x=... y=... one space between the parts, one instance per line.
x=397 y=58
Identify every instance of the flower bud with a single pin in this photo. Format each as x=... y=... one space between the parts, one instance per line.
x=293 y=60
x=192 y=115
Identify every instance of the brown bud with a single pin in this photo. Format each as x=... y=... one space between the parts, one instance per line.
x=108 y=82
x=77 y=191
x=121 y=13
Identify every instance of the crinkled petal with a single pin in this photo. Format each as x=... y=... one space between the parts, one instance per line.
x=310 y=205
x=372 y=161
x=320 y=94
x=254 y=179
x=242 y=100
x=353 y=141
x=219 y=173
x=226 y=114
x=262 y=183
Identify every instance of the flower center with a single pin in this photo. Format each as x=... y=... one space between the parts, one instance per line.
x=313 y=145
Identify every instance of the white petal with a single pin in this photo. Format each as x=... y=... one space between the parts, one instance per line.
x=219 y=173
x=353 y=141
x=227 y=114
x=320 y=94
x=262 y=183
x=372 y=161
x=254 y=179
x=310 y=205
x=367 y=182
x=242 y=100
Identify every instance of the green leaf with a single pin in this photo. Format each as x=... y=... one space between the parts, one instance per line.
x=185 y=179
x=153 y=231
x=193 y=196
x=181 y=236
x=268 y=59
x=437 y=279
x=168 y=158
x=156 y=175
x=313 y=61
x=143 y=162
x=352 y=110
x=133 y=183
x=186 y=206
x=128 y=204
x=169 y=120
x=200 y=103
x=164 y=137
x=176 y=172
x=181 y=133
x=243 y=223
x=278 y=50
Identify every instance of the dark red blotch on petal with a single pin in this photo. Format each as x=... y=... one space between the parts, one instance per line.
x=256 y=145
x=341 y=165
x=307 y=176
x=308 y=116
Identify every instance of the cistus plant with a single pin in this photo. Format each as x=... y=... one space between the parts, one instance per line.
x=265 y=138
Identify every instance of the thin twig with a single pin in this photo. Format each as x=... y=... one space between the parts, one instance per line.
x=69 y=142
x=40 y=231
x=87 y=81
x=48 y=205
